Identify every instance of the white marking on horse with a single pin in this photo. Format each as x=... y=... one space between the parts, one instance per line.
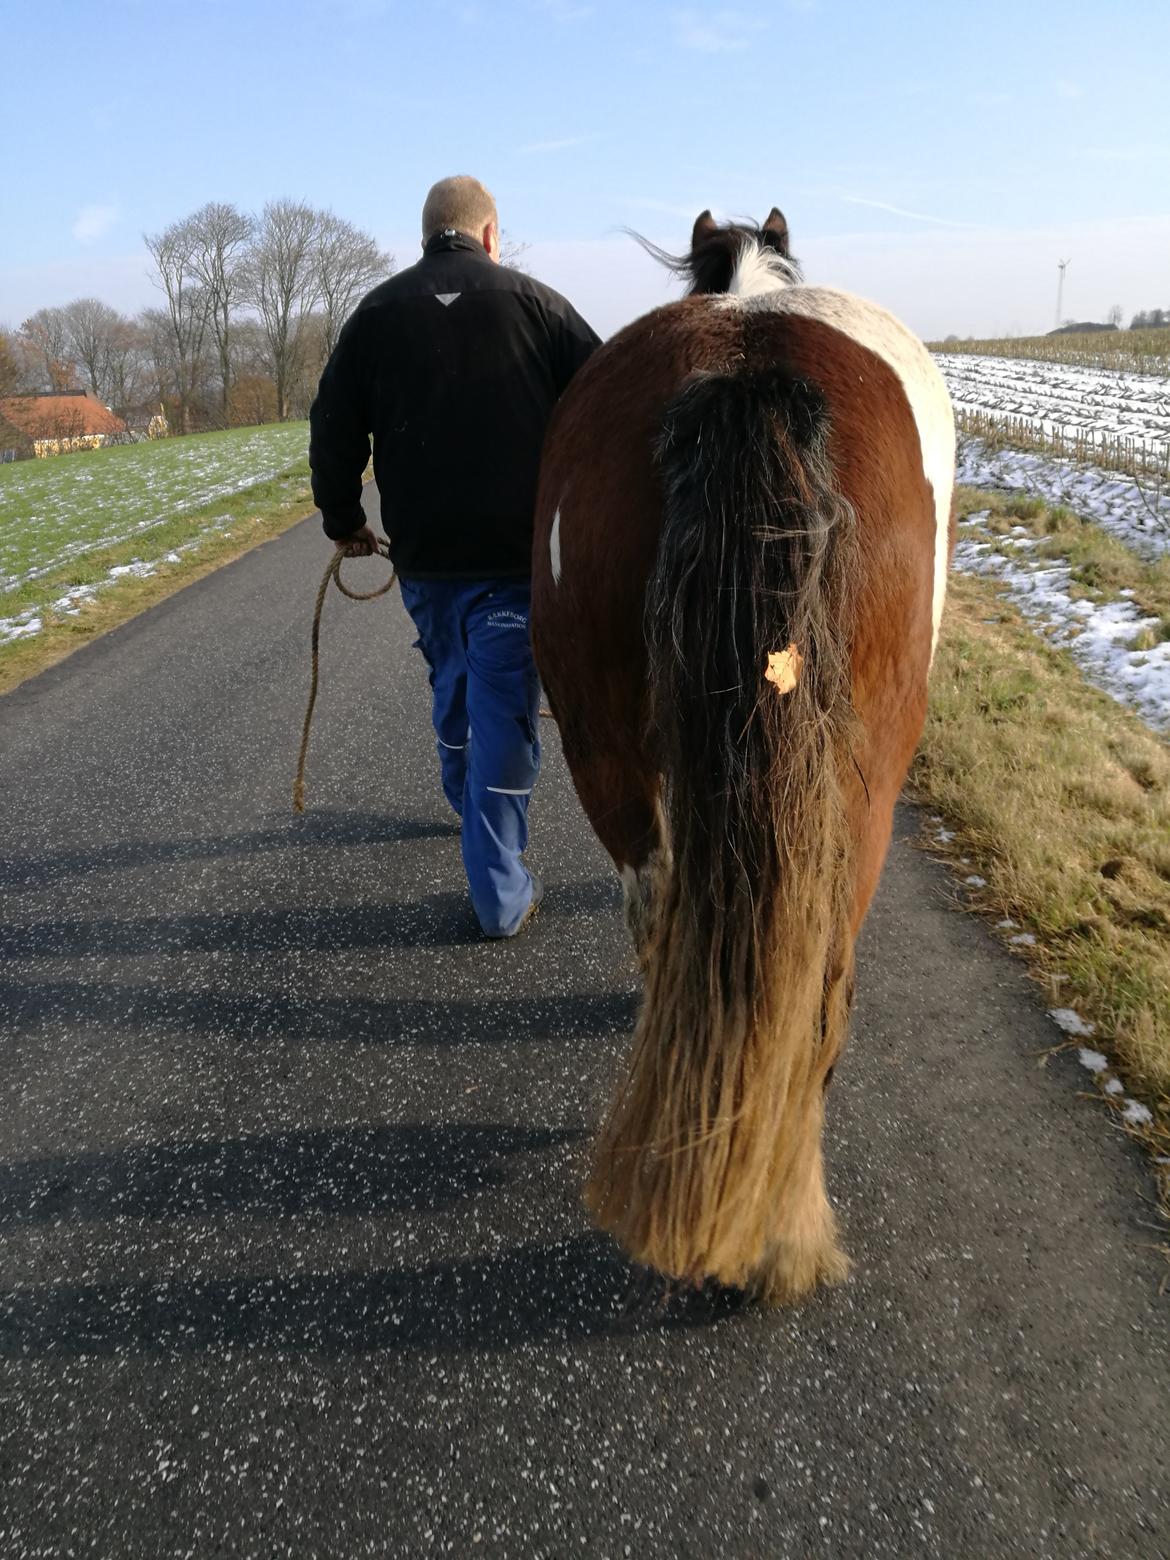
x=759 y=270
x=447 y=299
x=554 y=547
x=879 y=332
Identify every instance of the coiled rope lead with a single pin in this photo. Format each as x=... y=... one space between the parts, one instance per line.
x=332 y=572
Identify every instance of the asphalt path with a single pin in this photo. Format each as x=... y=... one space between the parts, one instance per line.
x=292 y=1260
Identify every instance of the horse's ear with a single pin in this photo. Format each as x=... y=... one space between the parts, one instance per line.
x=775 y=224
x=705 y=227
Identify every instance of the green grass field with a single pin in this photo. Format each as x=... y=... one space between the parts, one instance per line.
x=55 y=511
x=76 y=527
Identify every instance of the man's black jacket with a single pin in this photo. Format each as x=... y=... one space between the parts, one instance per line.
x=454 y=366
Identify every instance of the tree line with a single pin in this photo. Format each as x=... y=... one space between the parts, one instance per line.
x=250 y=309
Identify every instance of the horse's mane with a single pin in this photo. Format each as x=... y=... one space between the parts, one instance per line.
x=711 y=265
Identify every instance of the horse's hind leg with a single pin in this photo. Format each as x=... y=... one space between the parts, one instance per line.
x=621 y=800
x=808 y=1252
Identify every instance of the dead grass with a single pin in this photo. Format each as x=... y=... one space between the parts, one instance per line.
x=1061 y=800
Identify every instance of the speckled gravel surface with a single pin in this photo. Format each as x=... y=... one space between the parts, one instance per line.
x=291 y=1256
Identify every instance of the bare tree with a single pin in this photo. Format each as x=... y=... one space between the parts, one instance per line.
x=46 y=339
x=11 y=368
x=512 y=252
x=188 y=308
x=128 y=374
x=220 y=235
x=349 y=263
x=159 y=354
x=92 y=329
x=283 y=286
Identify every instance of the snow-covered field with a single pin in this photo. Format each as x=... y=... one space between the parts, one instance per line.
x=1136 y=513
x=1062 y=399
x=54 y=514
x=1099 y=636
x=55 y=511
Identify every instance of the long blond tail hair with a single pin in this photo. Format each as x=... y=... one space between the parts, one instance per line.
x=709 y=1164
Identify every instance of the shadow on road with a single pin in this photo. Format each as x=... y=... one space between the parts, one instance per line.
x=324 y=829
x=32 y=1006
x=378 y=1169
x=440 y=920
x=579 y=1288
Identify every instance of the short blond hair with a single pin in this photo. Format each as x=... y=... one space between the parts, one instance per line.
x=460 y=202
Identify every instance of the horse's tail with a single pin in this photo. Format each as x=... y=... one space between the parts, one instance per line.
x=710 y=1163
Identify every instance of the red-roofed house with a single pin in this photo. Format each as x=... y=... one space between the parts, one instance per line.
x=49 y=424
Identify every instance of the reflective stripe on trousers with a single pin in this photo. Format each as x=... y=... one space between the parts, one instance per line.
x=486 y=709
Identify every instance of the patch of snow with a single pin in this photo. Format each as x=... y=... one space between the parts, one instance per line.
x=1115 y=1086
x=975 y=881
x=1098 y=636
x=1023 y=940
x=1093 y=1061
x=1139 y=518
x=1071 y=1022
x=30 y=620
x=1006 y=925
x=18 y=628
x=1137 y=1114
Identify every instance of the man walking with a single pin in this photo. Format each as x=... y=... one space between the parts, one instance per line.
x=454 y=367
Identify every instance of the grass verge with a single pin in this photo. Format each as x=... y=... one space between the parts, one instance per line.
x=1060 y=798
x=222 y=531
x=1102 y=566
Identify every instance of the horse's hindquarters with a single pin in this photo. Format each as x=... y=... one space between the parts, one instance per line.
x=740 y=756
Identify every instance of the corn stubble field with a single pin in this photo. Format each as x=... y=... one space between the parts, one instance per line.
x=1121 y=351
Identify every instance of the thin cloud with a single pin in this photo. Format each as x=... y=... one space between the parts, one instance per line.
x=901 y=211
x=93 y=222
x=563 y=144
x=1069 y=89
x=722 y=32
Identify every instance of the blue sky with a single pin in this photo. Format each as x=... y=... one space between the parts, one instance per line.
x=937 y=157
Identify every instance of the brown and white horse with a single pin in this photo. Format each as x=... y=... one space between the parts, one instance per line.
x=742 y=537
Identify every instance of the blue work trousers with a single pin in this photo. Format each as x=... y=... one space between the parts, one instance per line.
x=486 y=710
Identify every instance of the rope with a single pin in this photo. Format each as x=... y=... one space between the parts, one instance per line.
x=332 y=572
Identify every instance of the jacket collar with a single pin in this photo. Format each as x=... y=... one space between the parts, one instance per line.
x=449 y=239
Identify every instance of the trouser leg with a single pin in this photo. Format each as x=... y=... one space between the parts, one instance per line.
x=434 y=609
x=503 y=705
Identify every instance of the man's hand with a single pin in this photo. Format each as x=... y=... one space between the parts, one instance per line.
x=361 y=544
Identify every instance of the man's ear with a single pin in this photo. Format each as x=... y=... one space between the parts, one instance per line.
x=705 y=227
x=775 y=224
x=491 y=240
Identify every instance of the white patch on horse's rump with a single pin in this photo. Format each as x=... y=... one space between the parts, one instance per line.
x=554 y=547
x=758 y=270
x=879 y=332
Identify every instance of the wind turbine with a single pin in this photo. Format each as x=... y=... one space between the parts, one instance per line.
x=1061 y=266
